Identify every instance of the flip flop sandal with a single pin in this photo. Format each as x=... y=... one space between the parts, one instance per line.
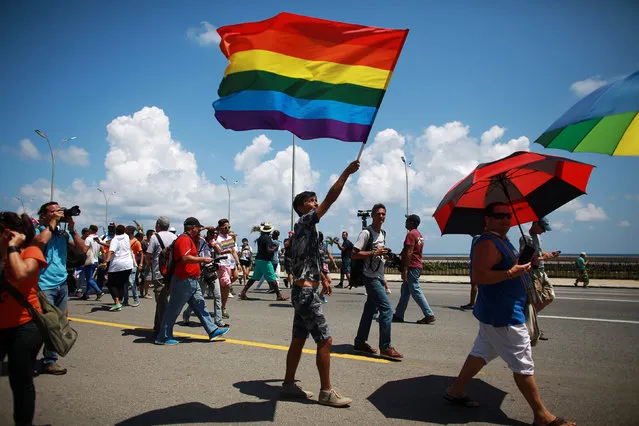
x=557 y=422
x=463 y=401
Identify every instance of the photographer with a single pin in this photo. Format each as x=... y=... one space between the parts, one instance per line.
x=370 y=247
x=54 y=243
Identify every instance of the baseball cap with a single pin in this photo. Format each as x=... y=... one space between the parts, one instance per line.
x=582 y=254
x=414 y=218
x=163 y=221
x=191 y=221
x=543 y=222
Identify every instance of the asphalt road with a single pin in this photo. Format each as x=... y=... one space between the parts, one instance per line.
x=586 y=371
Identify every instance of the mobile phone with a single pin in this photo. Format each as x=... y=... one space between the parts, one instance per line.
x=526 y=255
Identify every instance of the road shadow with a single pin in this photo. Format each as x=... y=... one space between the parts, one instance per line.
x=100 y=308
x=347 y=349
x=421 y=399
x=196 y=412
x=263 y=389
x=145 y=335
x=282 y=304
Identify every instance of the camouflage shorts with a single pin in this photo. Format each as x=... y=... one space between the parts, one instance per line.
x=309 y=317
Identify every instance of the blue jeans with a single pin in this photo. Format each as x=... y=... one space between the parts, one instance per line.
x=58 y=296
x=184 y=291
x=134 y=288
x=217 y=303
x=411 y=287
x=88 y=271
x=376 y=300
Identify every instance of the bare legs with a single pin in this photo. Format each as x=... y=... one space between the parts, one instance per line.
x=322 y=359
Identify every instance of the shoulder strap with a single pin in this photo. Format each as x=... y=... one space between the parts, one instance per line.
x=157 y=236
x=19 y=297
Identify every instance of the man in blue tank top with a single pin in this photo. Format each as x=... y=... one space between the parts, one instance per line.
x=500 y=309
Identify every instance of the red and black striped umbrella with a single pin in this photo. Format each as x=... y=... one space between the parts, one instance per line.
x=533 y=184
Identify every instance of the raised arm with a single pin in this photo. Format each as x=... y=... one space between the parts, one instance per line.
x=336 y=189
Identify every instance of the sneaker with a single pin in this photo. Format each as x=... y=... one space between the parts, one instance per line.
x=217 y=333
x=222 y=324
x=323 y=299
x=467 y=307
x=397 y=319
x=364 y=348
x=148 y=297
x=99 y=296
x=54 y=369
x=391 y=354
x=170 y=342
x=135 y=304
x=85 y=296
x=231 y=296
x=293 y=390
x=388 y=291
x=116 y=307
x=428 y=319
x=333 y=398
x=225 y=314
x=243 y=296
x=340 y=285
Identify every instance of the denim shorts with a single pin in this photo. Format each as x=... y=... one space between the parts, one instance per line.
x=309 y=317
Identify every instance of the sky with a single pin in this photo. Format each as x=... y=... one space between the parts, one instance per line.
x=134 y=82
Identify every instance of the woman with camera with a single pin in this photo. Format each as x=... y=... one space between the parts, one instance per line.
x=20 y=339
x=120 y=266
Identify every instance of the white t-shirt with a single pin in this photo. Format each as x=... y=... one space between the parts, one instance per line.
x=90 y=242
x=373 y=268
x=122 y=258
x=154 y=250
x=225 y=243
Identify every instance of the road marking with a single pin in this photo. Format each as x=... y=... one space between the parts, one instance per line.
x=232 y=341
x=597 y=300
x=590 y=319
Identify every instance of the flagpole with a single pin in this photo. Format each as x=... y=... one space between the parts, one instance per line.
x=360 y=151
x=293 y=183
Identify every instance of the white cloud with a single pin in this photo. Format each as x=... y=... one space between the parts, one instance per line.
x=75 y=155
x=28 y=150
x=205 y=35
x=624 y=224
x=587 y=86
x=590 y=213
x=252 y=154
x=571 y=206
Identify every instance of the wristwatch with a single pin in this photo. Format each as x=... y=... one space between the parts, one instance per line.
x=13 y=249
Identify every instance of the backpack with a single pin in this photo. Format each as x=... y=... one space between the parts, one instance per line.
x=357 y=265
x=166 y=261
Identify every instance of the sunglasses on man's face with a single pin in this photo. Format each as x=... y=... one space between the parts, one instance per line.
x=501 y=215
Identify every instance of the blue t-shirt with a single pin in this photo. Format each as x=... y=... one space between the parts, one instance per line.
x=504 y=303
x=276 y=256
x=55 y=253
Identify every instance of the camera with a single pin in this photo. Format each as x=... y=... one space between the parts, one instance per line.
x=364 y=214
x=69 y=212
x=393 y=260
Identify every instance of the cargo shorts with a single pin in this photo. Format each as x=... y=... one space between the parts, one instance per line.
x=309 y=317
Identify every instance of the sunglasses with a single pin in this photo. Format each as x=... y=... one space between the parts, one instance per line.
x=501 y=215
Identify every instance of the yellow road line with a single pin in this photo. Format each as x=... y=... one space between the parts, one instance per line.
x=232 y=341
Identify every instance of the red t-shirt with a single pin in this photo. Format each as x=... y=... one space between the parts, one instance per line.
x=12 y=314
x=415 y=240
x=184 y=245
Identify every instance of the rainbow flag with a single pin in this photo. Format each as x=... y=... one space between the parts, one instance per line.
x=312 y=77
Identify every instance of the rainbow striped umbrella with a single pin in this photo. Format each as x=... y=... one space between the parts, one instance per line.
x=605 y=122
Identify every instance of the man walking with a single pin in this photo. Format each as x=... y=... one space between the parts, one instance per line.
x=184 y=286
x=500 y=310
x=411 y=269
x=93 y=249
x=582 y=272
x=158 y=242
x=370 y=247
x=264 y=263
x=345 y=270
x=309 y=317
x=54 y=243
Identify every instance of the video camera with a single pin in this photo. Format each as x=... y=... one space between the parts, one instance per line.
x=393 y=260
x=364 y=214
x=69 y=212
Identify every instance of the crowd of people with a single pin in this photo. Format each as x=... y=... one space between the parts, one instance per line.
x=182 y=269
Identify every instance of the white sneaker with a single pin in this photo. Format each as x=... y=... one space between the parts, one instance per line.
x=231 y=296
x=333 y=398
x=388 y=291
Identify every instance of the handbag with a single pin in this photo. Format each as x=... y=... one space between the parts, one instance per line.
x=57 y=333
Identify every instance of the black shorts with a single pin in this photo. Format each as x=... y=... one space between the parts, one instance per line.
x=245 y=262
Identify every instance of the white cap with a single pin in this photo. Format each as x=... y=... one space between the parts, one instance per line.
x=582 y=254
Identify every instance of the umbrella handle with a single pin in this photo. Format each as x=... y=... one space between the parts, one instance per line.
x=503 y=186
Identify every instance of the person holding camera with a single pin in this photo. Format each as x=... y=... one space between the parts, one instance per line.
x=370 y=246
x=411 y=269
x=20 y=338
x=54 y=243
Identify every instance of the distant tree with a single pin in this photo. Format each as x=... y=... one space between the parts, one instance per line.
x=255 y=229
x=332 y=240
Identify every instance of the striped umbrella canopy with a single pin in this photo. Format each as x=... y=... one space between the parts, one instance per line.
x=533 y=184
x=605 y=122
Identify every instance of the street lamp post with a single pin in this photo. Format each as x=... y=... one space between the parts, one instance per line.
x=106 y=206
x=228 y=190
x=407 y=164
x=44 y=136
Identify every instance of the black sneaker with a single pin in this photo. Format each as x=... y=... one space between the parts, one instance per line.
x=397 y=319
x=340 y=285
x=364 y=348
x=428 y=319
